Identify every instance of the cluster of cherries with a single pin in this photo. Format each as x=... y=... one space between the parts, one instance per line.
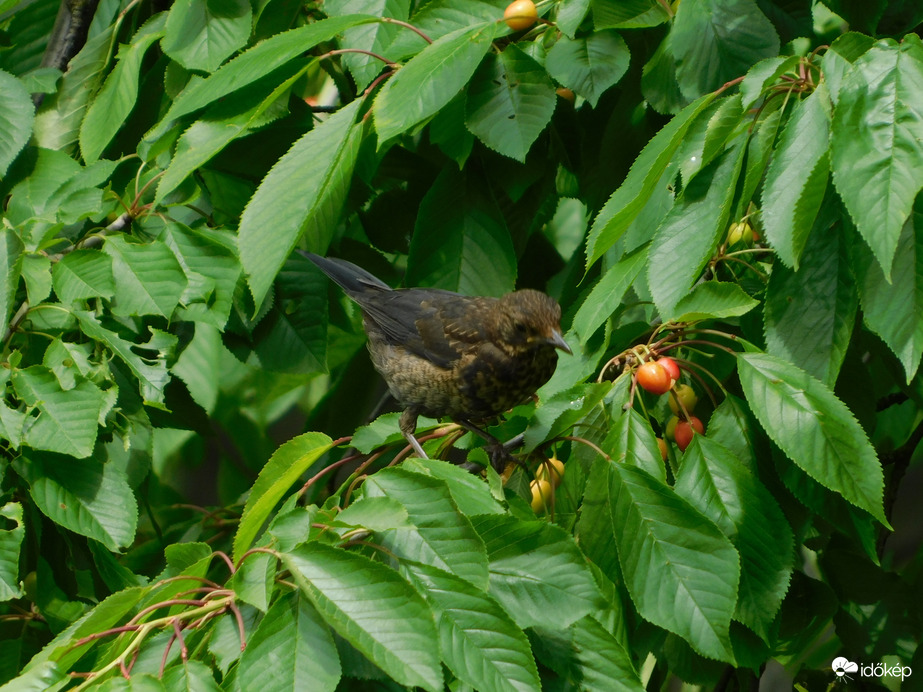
x=659 y=377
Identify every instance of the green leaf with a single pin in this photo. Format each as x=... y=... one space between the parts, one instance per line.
x=112 y=611
x=45 y=677
x=430 y=79
x=715 y=482
x=291 y=649
x=714 y=300
x=441 y=17
x=208 y=258
x=11 y=248
x=36 y=272
x=537 y=572
x=570 y=16
x=376 y=38
x=470 y=494
x=205 y=138
x=117 y=98
x=797 y=177
x=478 y=640
x=605 y=663
x=441 y=536
x=814 y=429
x=372 y=608
x=41 y=80
x=894 y=310
x=809 y=314
x=839 y=58
x=733 y=426
x=83 y=274
x=607 y=294
x=151 y=373
x=691 y=230
x=11 y=536
x=302 y=194
x=375 y=513
x=447 y=131
x=715 y=41
x=623 y=207
x=680 y=570
x=876 y=156
x=460 y=241
x=148 y=278
x=12 y=422
x=510 y=100
x=383 y=431
x=190 y=676
x=86 y=496
x=34 y=197
x=561 y=411
x=632 y=441
x=67 y=420
x=283 y=469
x=589 y=65
x=254 y=64
x=764 y=74
x=15 y=119
x=57 y=122
x=627 y=14
x=200 y=366
x=658 y=81
x=254 y=580
x=201 y=35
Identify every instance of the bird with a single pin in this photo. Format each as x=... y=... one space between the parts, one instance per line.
x=445 y=354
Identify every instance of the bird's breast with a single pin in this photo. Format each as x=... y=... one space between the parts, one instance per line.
x=492 y=381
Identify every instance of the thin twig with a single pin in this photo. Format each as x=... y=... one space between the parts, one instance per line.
x=389 y=20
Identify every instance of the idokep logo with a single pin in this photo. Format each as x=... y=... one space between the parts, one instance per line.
x=843 y=667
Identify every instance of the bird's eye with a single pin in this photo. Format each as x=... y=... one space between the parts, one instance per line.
x=521 y=328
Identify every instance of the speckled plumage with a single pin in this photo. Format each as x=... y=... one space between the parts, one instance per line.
x=445 y=354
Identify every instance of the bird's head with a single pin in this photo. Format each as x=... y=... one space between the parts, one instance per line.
x=528 y=319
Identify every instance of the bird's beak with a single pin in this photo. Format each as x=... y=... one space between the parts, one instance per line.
x=557 y=341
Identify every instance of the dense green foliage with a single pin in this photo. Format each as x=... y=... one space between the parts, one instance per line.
x=732 y=183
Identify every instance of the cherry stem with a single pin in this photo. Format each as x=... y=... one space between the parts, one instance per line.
x=691 y=368
x=342 y=51
x=389 y=20
x=584 y=441
x=749 y=266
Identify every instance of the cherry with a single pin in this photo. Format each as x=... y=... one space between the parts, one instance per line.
x=551 y=470
x=740 y=232
x=662 y=445
x=685 y=430
x=520 y=14
x=671 y=367
x=542 y=493
x=685 y=395
x=654 y=378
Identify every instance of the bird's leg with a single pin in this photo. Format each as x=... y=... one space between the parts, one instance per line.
x=408 y=424
x=497 y=451
x=483 y=434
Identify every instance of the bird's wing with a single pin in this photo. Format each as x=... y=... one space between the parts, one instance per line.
x=433 y=324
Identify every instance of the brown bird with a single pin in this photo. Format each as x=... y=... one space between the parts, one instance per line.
x=445 y=354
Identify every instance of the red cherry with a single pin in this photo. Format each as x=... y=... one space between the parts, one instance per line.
x=685 y=430
x=671 y=367
x=654 y=378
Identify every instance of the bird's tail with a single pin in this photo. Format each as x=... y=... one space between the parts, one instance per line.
x=352 y=279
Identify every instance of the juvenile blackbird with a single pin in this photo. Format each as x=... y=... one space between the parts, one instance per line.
x=446 y=354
